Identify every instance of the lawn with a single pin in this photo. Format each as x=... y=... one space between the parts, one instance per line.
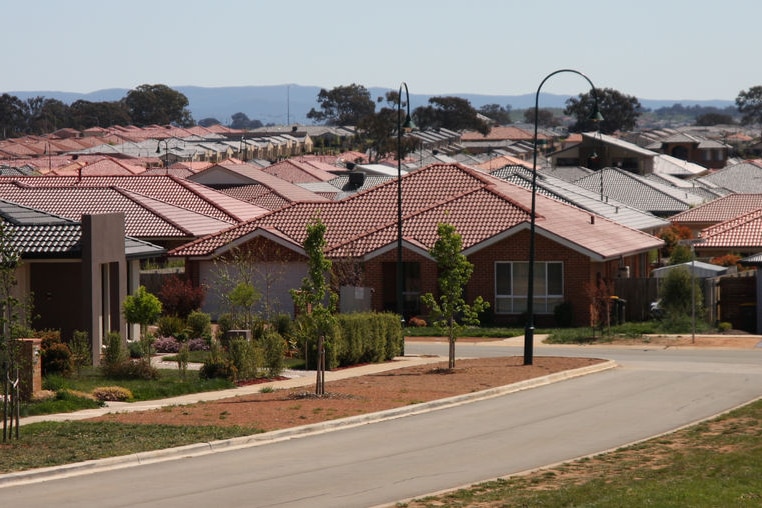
x=715 y=463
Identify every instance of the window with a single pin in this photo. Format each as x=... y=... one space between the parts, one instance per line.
x=511 y=281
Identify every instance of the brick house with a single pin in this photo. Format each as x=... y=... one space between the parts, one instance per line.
x=574 y=248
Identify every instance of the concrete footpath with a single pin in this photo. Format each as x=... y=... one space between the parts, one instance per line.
x=298 y=379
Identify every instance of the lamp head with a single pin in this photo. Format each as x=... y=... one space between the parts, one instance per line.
x=596 y=115
x=409 y=125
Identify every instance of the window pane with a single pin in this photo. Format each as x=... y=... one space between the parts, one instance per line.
x=555 y=279
x=503 y=305
x=503 y=279
x=520 y=278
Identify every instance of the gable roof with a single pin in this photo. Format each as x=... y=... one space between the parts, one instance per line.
x=742 y=233
x=639 y=192
x=583 y=198
x=720 y=210
x=176 y=191
x=274 y=192
x=145 y=217
x=301 y=171
x=36 y=234
x=744 y=177
x=482 y=208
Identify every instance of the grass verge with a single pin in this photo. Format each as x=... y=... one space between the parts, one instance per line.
x=715 y=463
x=56 y=443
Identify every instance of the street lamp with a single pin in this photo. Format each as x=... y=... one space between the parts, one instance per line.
x=596 y=115
x=407 y=126
x=692 y=243
x=166 y=152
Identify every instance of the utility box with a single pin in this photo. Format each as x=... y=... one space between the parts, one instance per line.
x=30 y=368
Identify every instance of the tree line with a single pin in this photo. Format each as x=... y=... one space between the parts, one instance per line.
x=353 y=105
x=141 y=106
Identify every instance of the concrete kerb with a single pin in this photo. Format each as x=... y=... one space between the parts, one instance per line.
x=198 y=449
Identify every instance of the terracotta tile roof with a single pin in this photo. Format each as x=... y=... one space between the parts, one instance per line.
x=144 y=217
x=501 y=133
x=259 y=195
x=720 y=210
x=104 y=166
x=176 y=191
x=296 y=171
x=501 y=162
x=481 y=207
x=279 y=192
x=743 y=233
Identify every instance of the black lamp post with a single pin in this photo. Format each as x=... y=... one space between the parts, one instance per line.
x=407 y=125
x=596 y=115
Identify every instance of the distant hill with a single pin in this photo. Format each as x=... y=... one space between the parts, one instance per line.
x=289 y=104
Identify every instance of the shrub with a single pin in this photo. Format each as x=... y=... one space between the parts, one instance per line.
x=112 y=393
x=284 y=325
x=80 y=349
x=218 y=369
x=225 y=323
x=170 y=326
x=114 y=352
x=48 y=337
x=129 y=369
x=179 y=297
x=183 y=356
x=724 y=326
x=199 y=325
x=244 y=357
x=134 y=349
x=274 y=351
x=57 y=359
x=167 y=345
x=198 y=344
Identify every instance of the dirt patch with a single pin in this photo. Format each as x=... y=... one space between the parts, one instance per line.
x=354 y=396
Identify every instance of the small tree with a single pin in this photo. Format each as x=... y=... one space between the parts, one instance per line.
x=450 y=311
x=676 y=291
x=315 y=301
x=142 y=308
x=10 y=323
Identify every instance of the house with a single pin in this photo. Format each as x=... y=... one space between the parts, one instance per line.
x=741 y=235
x=77 y=273
x=583 y=198
x=639 y=192
x=503 y=138
x=158 y=208
x=745 y=177
x=574 y=248
x=253 y=185
x=716 y=211
x=688 y=146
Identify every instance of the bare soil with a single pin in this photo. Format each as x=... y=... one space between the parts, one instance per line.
x=354 y=396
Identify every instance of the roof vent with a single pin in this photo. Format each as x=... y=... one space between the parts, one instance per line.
x=592 y=219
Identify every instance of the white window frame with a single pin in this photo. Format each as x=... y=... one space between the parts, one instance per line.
x=511 y=295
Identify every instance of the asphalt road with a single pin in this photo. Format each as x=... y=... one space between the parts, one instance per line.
x=652 y=391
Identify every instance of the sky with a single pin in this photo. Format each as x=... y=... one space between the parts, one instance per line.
x=665 y=49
